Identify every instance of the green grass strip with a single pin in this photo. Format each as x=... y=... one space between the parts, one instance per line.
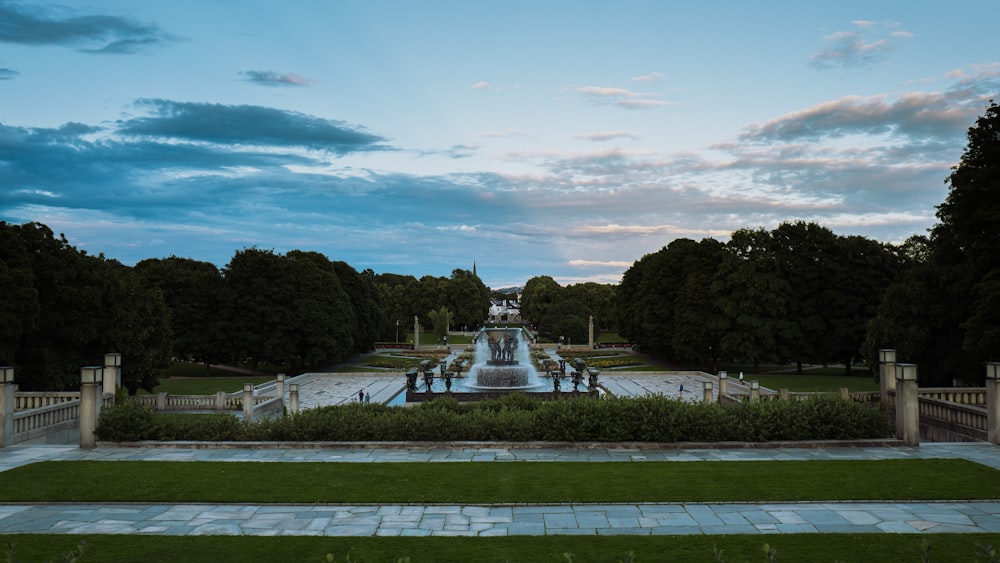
x=583 y=549
x=491 y=482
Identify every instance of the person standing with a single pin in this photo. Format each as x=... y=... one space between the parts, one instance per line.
x=361 y=396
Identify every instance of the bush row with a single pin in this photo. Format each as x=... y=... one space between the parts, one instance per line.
x=519 y=417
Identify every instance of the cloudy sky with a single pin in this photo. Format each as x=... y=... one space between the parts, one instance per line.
x=562 y=138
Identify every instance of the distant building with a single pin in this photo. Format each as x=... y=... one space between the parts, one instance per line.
x=504 y=310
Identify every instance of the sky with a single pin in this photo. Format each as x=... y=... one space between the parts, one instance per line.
x=559 y=138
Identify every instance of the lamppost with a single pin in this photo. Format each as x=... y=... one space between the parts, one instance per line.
x=397 y=330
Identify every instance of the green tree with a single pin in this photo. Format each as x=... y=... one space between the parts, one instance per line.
x=441 y=321
x=136 y=325
x=600 y=298
x=19 y=306
x=539 y=295
x=753 y=294
x=968 y=236
x=192 y=291
x=367 y=316
x=78 y=307
x=944 y=312
x=468 y=298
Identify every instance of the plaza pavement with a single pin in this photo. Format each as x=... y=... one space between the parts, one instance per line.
x=499 y=519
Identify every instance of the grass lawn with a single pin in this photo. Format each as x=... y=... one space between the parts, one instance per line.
x=812 y=383
x=206 y=385
x=481 y=482
x=583 y=549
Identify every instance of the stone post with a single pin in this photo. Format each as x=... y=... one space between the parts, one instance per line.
x=706 y=391
x=754 y=390
x=90 y=381
x=591 y=332
x=723 y=384
x=112 y=373
x=993 y=402
x=845 y=393
x=220 y=400
x=783 y=394
x=416 y=332
x=7 y=405
x=280 y=385
x=161 y=401
x=248 y=403
x=907 y=405
x=293 y=398
x=886 y=374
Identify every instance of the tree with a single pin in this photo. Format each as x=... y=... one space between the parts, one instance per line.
x=137 y=326
x=468 y=298
x=753 y=294
x=441 y=321
x=540 y=293
x=75 y=309
x=19 y=306
x=192 y=291
x=600 y=298
x=944 y=312
x=367 y=317
x=968 y=236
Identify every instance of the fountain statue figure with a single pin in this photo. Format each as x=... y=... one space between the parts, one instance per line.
x=503 y=361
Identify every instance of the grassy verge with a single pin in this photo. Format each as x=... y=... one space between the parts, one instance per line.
x=479 y=483
x=814 y=383
x=583 y=549
x=207 y=385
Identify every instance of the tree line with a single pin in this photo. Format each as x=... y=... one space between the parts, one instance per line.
x=61 y=308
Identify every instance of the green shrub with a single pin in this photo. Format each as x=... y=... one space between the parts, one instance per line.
x=126 y=422
x=520 y=417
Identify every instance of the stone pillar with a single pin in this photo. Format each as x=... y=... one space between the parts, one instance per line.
x=293 y=398
x=220 y=400
x=90 y=381
x=993 y=402
x=907 y=405
x=112 y=373
x=280 y=385
x=723 y=384
x=7 y=405
x=248 y=403
x=416 y=332
x=707 y=392
x=845 y=393
x=591 y=329
x=754 y=390
x=886 y=374
x=161 y=401
x=783 y=394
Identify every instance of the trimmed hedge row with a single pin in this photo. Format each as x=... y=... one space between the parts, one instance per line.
x=519 y=417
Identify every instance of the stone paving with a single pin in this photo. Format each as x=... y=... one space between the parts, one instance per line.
x=499 y=519
x=321 y=389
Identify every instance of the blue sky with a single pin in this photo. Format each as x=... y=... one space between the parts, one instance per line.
x=534 y=138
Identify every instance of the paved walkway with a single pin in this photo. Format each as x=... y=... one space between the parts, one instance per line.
x=498 y=519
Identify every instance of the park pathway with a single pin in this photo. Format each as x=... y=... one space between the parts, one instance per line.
x=498 y=519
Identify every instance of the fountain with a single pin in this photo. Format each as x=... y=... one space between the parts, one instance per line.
x=501 y=365
x=503 y=361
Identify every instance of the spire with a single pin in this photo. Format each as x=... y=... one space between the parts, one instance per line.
x=474 y=268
